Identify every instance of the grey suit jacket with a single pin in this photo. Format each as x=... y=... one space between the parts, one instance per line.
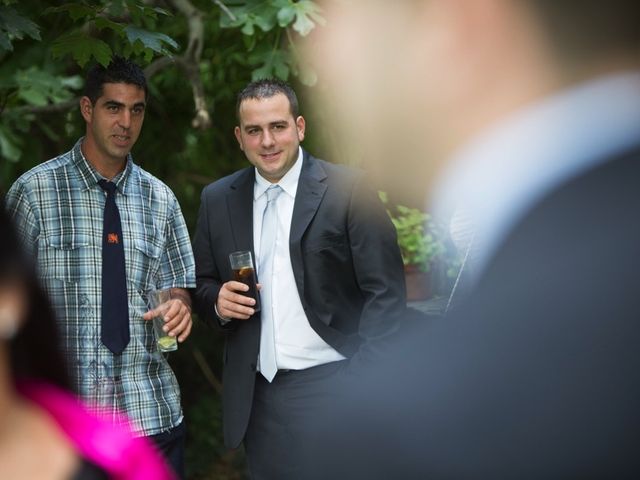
x=345 y=260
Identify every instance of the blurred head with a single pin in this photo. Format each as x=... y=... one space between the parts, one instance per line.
x=415 y=80
x=28 y=335
x=270 y=129
x=113 y=108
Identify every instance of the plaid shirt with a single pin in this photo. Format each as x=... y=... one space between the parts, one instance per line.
x=58 y=208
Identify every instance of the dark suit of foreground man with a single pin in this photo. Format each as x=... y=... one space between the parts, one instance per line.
x=534 y=375
x=336 y=281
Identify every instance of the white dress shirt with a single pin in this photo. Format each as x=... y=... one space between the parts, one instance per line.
x=504 y=172
x=298 y=346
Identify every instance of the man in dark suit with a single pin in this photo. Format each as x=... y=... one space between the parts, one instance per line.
x=536 y=106
x=330 y=271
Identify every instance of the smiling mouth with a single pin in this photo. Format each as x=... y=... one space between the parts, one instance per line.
x=269 y=156
x=121 y=138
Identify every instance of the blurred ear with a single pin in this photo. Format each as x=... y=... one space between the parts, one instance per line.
x=238 y=134
x=13 y=308
x=86 y=109
x=300 y=125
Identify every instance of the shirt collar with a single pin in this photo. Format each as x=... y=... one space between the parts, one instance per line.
x=497 y=177
x=90 y=176
x=288 y=183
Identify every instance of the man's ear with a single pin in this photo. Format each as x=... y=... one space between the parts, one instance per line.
x=86 y=109
x=300 y=126
x=238 y=134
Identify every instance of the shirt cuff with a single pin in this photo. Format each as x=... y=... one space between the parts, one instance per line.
x=223 y=320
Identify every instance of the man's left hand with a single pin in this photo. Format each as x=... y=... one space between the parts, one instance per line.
x=176 y=313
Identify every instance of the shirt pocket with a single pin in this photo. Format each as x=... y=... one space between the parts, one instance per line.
x=147 y=254
x=67 y=257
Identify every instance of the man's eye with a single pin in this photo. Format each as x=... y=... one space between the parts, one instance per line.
x=138 y=110
x=253 y=131
x=279 y=127
x=112 y=108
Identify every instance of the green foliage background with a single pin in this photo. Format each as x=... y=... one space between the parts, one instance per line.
x=45 y=48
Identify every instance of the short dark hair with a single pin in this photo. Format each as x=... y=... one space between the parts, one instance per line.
x=267 y=88
x=119 y=70
x=35 y=350
x=585 y=29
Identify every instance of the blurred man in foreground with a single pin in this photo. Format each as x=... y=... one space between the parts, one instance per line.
x=535 y=105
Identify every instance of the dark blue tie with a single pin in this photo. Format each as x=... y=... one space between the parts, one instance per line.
x=115 y=307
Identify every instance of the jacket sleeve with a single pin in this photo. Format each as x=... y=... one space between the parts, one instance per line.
x=208 y=279
x=377 y=264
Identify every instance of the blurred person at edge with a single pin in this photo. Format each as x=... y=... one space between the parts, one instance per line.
x=45 y=432
x=525 y=114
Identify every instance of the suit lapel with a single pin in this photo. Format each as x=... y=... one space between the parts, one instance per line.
x=311 y=190
x=240 y=209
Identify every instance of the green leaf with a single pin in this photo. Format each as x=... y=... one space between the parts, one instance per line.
x=15 y=26
x=102 y=23
x=248 y=29
x=74 y=83
x=150 y=40
x=308 y=14
x=286 y=15
x=82 y=48
x=76 y=11
x=261 y=14
x=34 y=97
x=9 y=145
x=38 y=87
x=272 y=63
x=240 y=14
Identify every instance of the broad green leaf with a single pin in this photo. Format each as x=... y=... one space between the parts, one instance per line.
x=5 y=43
x=286 y=15
x=266 y=23
x=102 y=23
x=76 y=11
x=9 y=145
x=240 y=14
x=248 y=29
x=151 y=40
x=38 y=87
x=308 y=14
x=74 y=83
x=15 y=26
x=272 y=63
x=82 y=48
x=32 y=96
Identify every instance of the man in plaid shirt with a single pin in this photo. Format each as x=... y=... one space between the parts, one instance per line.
x=58 y=208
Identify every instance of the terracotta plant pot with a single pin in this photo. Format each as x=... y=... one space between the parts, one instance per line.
x=418 y=283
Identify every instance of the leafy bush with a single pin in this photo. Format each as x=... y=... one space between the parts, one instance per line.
x=420 y=240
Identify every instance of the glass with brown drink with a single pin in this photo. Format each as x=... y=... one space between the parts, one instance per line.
x=244 y=272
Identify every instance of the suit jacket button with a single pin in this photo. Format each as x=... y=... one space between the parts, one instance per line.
x=253 y=367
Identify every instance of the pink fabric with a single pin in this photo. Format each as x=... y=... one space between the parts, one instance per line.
x=111 y=447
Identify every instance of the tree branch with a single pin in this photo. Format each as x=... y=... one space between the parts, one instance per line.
x=53 y=108
x=225 y=9
x=206 y=371
x=189 y=62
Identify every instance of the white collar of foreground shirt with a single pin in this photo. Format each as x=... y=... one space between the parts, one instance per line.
x=498 y=176
x=288 y=183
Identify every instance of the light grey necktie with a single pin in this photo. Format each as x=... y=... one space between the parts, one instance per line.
x=268 y=366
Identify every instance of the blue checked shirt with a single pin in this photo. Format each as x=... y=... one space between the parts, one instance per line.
x=58 y=209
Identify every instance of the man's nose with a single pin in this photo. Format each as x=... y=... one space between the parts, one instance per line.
x=125 y=119
x=267 y=139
